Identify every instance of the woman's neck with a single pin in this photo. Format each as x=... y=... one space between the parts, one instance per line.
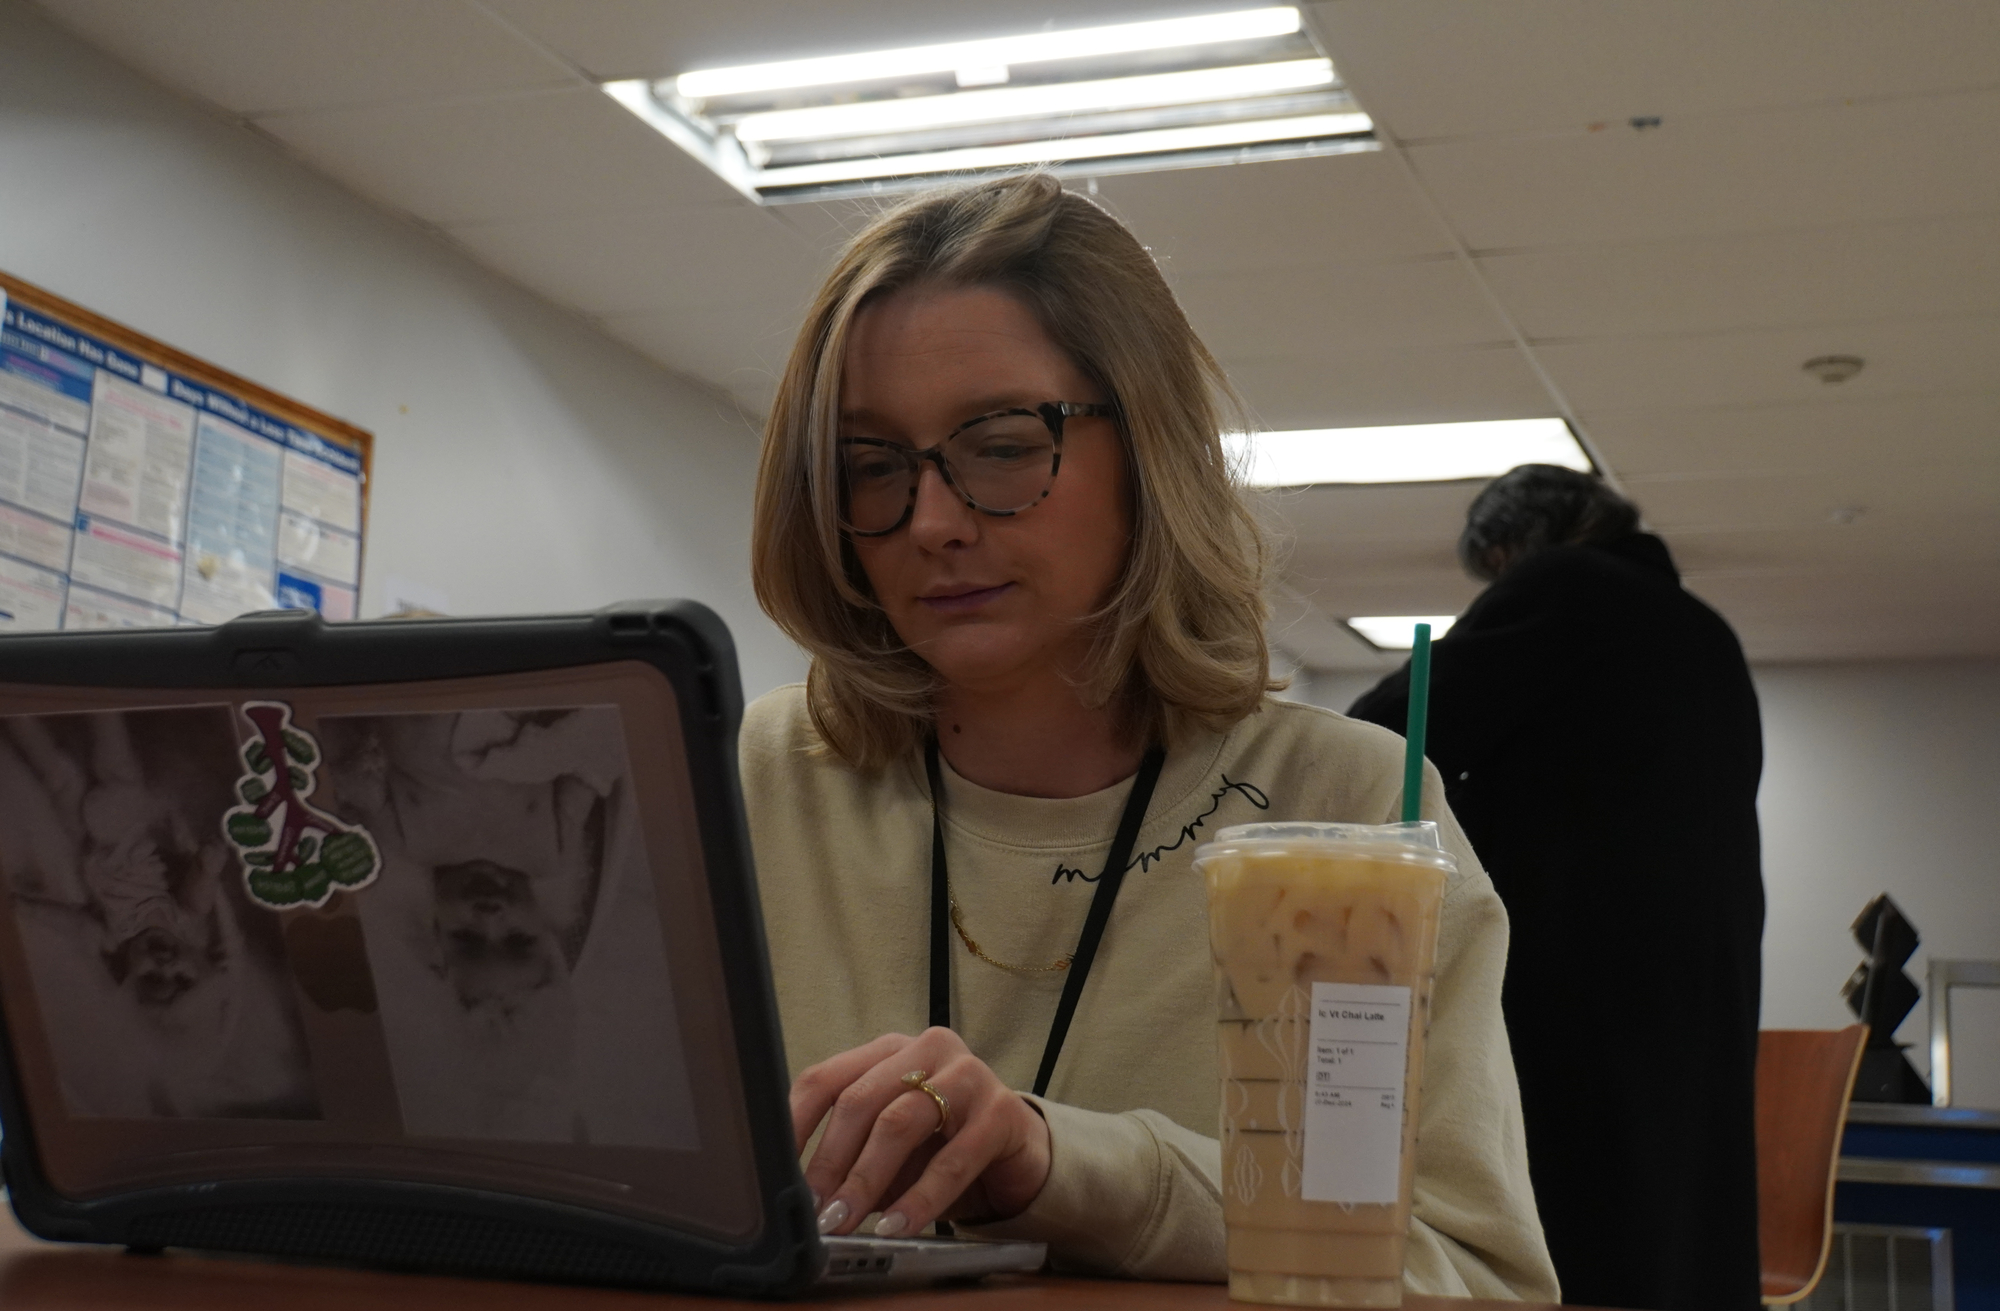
x=1037 y=740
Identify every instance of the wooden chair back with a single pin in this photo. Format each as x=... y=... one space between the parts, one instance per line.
x=1804 y=1078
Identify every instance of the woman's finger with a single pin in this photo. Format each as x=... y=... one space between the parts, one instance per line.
x=816 y=1090
x=953 y=1171
x=900 y=1132
x=852 y=1119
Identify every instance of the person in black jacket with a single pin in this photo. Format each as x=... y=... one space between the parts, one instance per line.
x=1599 y=739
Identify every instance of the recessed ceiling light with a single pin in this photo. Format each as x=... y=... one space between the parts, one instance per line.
x=1405 y=453
x=1210 y=89
x=1398 y=632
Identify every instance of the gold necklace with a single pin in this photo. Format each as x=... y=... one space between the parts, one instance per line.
x=958 y=922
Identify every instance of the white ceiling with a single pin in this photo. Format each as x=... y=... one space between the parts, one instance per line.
x=1824 y=179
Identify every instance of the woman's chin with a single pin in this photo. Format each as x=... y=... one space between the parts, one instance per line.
x=965 y=659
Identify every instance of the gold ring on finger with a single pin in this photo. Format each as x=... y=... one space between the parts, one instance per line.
x=920 y=1080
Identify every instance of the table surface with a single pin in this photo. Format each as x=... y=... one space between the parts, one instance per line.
x=38 y=1276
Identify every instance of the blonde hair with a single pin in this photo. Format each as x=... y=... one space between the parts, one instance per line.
x=1180 y=641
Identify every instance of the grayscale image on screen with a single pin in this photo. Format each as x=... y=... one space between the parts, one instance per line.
x=164 y=990
x=514 y=933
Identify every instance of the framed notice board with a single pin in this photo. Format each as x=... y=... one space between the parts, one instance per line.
x=140 y=487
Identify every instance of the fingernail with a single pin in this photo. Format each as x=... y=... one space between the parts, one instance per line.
x=815 y=1197
x=891 y=1224
x=834 y=1216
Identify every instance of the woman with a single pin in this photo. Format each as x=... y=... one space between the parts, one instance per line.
x=994 y=508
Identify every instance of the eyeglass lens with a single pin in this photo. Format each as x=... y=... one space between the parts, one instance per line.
x=1001 y=464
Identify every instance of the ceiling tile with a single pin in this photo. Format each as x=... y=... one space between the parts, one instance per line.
x=1251 y=217
x=1299 y=628
x=670 y=260
x=1741 y=501
x=1920 y=546
x=739 y=347
x=1434 y=68
x=1342 y=582
x=1361 y=388
x=1859 y=613
x=1763 y=280
x=568 y=151
x=1885 y=499
x=1909 y=357
x=1397 y=513
x=1862 y=163
x=652 y=38
x=1831 y=431
x=1313 y=310
x=1372 y=550
x=827 y=226
x=253 y=56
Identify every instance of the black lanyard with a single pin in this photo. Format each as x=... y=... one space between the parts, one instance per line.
x=1093 y=925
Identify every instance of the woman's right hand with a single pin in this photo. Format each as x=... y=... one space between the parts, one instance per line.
x=887 y=1146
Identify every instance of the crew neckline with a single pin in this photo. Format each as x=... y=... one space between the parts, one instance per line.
x=1069 y=823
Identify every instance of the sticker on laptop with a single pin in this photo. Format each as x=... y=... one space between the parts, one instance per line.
x=293 y=853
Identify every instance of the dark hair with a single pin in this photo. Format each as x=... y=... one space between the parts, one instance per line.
x=1537 y=505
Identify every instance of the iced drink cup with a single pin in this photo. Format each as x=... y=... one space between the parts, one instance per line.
x=1325 y=942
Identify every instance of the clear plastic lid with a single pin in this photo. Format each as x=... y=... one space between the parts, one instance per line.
x=1414 y=842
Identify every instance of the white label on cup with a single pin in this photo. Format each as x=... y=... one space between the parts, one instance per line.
x=1354 y=1105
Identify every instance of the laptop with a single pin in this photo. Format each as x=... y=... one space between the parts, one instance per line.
x=426 y=944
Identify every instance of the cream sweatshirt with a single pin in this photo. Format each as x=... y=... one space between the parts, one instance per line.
x=843 y=863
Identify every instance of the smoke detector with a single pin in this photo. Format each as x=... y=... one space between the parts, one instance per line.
x=1833 y=368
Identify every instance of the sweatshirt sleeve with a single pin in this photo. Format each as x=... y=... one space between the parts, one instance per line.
x=1130 y=1194
x=1135 y=1194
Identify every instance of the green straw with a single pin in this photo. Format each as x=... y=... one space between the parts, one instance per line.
x=1413 y=734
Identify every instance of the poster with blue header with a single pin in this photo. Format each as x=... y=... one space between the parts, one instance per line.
x=141 y=487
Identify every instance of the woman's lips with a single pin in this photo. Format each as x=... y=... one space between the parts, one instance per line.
x=961 y=602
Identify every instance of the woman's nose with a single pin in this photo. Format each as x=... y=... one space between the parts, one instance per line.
x=941 y=517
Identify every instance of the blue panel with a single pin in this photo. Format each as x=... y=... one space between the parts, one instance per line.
x=1921 y=1142
x=295 y=593
x=1972 y=1215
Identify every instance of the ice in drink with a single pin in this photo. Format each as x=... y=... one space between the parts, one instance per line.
x=1325 y=942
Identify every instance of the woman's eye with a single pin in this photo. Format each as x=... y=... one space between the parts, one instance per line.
x=872 y=467
x=1009 y=450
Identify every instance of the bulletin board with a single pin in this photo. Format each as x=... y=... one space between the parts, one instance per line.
x=141 y=487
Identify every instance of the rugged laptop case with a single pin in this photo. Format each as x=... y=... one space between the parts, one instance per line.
x=422 y=1226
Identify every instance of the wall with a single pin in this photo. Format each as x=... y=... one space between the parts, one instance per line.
x=523 y=461
x=1878 y=778
x=1881 y=778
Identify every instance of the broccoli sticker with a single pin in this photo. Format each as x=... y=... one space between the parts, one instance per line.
x=293 y=853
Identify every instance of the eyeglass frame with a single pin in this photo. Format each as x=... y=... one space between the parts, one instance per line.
x=1053 y=415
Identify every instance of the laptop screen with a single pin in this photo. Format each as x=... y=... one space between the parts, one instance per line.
x=450 y=932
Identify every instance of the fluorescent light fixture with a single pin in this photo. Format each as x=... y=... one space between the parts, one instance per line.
x=1406 y=453
x=982 y=56
x=1046 y=152
x=1398 y=632
x=1175 y=93
x=1034 y=101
